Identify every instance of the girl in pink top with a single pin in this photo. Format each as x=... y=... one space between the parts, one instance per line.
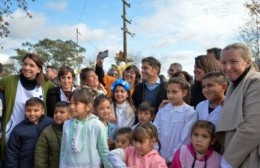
x=141 y=154
x=200 y=153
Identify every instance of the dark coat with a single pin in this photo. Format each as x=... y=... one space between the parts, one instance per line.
x=138 y=95
x=47 y=150
x=53 y=97
x=20 y=147
x=196 y=94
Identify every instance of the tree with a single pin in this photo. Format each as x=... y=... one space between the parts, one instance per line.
x=250 y=32
x=7 y=7
x=53 y=52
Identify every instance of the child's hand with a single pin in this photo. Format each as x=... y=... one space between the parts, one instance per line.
x=99 y=61
x=112 y=118
x=163 y=103
x=111 y=144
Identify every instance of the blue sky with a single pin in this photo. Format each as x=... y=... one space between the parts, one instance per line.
x=171 y=30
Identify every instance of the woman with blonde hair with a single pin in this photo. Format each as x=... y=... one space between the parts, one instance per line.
x=238 y=127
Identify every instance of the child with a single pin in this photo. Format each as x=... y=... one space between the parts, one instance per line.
x=145 y=114
x=122 y=106
x=214 y=85
x=102 y=107
x=47 y=150
x=200 y=152
x=175 y=119
x=141 y=154
x=21 y=145
x=84 y=140
x=123 y=137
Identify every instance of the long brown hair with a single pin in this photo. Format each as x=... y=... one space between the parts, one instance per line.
x=38 y=61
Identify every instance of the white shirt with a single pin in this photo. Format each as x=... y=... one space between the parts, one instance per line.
x=121 y=117
x=203 y=112
x=174 y=125
x=22 y=95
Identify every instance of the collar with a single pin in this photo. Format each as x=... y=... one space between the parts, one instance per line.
x=152 y=87
x=121 y=106
x=203 y=158
x=26 y=83
x=40 y=119
x=238 y=80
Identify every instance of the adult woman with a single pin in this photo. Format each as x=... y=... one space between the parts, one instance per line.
x=19 y=88
x=132 y=75
x=89 y=80
x=66 y=78
x=114 y=72
x=239 y=124
x=203 y=65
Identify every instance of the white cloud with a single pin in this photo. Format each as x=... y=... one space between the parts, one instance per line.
x=60 y=5
x=207 y=23
x=4 y=58
x=173 y=31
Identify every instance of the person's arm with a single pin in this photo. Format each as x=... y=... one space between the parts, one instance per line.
x=42 y=151
x=63 y=145
x=247 y=135
x=224 y=164
x=99 y=69
x=117 y=158
x=13 y=150
x=102 y=146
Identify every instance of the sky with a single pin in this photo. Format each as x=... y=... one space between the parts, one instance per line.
x=170 y=30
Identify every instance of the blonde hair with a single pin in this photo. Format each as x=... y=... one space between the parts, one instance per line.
x=245 y=51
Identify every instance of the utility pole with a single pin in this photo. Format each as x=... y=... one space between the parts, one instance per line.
x=124 y=28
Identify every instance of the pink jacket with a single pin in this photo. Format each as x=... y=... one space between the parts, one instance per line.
x=150 y=160
x=184 y=158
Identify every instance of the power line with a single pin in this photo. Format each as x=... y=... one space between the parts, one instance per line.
x=88 y=41
x=83 y=10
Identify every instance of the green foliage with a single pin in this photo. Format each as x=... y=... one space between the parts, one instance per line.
x=52 y=52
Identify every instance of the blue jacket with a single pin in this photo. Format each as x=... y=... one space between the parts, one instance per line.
x=21 y=145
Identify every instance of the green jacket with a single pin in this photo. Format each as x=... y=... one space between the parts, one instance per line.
x=47 y=150
x=9 y=85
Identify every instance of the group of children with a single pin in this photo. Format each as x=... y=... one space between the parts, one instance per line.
x=100 y=133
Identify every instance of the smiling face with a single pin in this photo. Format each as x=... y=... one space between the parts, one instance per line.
x=92 y=80
x=120 y=94
x=201 y=140
x=148 y=72
x=67 y=81
x=232 y=64
x=30 y=69
x=199 y=73
x=103 y=110
x=212 y=90
x=34 y=112
x=130 y=76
